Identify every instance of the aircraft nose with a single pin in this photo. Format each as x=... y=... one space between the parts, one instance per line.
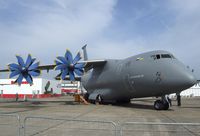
x=187 y=79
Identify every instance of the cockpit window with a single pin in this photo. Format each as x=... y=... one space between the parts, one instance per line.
x=166 y=56
x=162 y=56
x=158 y=56
x=172 y=56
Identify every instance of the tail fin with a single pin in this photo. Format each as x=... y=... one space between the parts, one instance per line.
x=85 y=56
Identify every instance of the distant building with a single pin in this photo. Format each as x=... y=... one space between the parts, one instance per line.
x=41 y=88
x=68 y=87
x=194 y=91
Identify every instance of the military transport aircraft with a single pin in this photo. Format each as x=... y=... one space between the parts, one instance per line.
x=150 y=74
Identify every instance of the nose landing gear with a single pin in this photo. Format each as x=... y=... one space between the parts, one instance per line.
x=162 y=104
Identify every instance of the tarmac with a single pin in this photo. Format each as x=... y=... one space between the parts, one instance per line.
x=62 y=116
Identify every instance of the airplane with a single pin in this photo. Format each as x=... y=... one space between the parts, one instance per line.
x=151 y=74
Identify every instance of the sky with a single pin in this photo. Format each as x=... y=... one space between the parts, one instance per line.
x=113 y=29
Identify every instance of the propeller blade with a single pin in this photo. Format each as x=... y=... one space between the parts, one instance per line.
x=71 y=76
x=29 y=79
x=20 y=61
x=28 y=60
x=77 y=58
x=14 y=73
x=79 y=65
x=60 y=67
x=62 y=59
x=33 y=60
x=63 y=75
x=19 y=79
x=34 y=73
x=14 y=66
x=79 y=72
x=57 y=62
x=68 y=56
x=34 y=66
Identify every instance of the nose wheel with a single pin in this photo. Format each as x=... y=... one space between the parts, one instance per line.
x=161 y=105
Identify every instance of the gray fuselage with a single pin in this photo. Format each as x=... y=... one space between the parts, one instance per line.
x=149 y=74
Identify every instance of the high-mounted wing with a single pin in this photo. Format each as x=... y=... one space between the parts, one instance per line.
x=4 y=70
x=46 y=67
x=90 y=64
x=68 y=66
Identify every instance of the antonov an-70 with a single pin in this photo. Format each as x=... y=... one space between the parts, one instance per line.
x=151 y=74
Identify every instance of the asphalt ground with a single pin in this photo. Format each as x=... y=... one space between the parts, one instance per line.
x=139 y=110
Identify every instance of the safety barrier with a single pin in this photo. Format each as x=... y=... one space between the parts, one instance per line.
x=10 y=124
x=158 y=129
x=62 y=127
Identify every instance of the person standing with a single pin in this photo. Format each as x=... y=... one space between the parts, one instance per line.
x=178 y=95
x=17 y=97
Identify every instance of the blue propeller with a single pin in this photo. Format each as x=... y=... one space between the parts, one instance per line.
x=68 y=66
x=24 y=69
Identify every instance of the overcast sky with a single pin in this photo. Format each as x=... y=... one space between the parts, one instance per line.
x=111 y=28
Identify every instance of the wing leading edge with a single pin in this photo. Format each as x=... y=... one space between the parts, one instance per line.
x=89 y=64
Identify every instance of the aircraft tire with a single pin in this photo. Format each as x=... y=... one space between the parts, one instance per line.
x=166 y=106
x=160 y=105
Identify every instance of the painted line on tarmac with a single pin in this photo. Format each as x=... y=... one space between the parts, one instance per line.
x=184 y=127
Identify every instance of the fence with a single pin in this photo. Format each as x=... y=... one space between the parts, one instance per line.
x=157 y=129
x=10 y=124
x=63 y=127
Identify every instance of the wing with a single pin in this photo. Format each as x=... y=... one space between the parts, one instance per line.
x=4 y=70
x=88 y=65
x=44 y=67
